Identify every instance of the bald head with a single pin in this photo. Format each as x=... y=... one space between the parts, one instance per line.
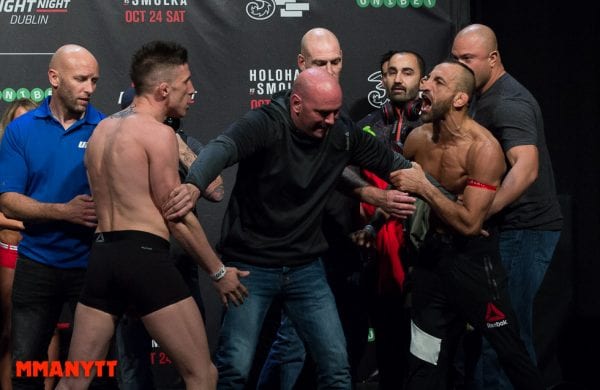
x=70 y=53
x=320 y=48
x=317 y=36
x=73 y=73
x=315 y=102
x=476 y=47
x=315 y=82
x=479 y=35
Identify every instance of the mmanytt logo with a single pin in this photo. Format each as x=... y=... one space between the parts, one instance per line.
x=377 y=97
x=264 y=9
x=58 y=369
x=395 y=3
x=36 y=94
x=494 y=317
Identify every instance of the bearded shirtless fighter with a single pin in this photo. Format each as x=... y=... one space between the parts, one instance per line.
x=458 y=277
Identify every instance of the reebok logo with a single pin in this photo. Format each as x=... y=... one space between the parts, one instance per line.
x=494 y=318
x=493 y=314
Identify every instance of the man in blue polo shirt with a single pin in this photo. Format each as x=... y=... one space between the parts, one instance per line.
x=43 y=182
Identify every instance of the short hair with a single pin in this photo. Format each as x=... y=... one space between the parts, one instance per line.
x=389 y=54
x=465 y=83
x=151 y=61
x=386 y=57
x=9 y=114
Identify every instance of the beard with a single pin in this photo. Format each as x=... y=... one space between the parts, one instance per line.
x=410 y=94
x=437 y=112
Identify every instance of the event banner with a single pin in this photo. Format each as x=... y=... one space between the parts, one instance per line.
x=241 y=52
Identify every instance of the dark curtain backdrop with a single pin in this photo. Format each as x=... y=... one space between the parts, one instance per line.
x=552 y=49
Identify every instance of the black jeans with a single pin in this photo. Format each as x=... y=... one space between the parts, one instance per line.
x=39 y=293
x=459 y=280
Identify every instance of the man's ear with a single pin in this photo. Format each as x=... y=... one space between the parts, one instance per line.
x=494 y=58
x=296 y=103
x=163 y=90
x=461 y=99
x=53 y=77
x=301 y=62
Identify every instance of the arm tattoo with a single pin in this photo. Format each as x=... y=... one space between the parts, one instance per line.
x=186 y=155
x=216 y=194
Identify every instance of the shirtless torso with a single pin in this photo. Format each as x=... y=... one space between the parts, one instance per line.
x=467 y=163
x=450 y=160
x=132 y=163
x=462 y=155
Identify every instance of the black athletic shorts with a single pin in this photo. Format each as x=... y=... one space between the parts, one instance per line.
x=131 y=270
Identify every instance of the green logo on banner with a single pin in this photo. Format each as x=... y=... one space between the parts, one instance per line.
x=37 y=94
x=23 y=93
x=393 y=3
x=9 y=95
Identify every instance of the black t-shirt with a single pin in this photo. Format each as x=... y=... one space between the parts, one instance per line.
x=513 y=115
x=284 y=179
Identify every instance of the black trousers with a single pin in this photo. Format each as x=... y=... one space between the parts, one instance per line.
x=460 y=280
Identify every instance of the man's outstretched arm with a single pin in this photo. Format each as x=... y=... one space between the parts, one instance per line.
x=393 y=202
x=216 y=156
x=163 y=171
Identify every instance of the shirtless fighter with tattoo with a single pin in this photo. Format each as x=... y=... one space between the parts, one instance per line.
x=458 y=277
x=132 y=161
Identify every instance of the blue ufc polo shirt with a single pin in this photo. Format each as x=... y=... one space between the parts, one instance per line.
x=42 y=160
